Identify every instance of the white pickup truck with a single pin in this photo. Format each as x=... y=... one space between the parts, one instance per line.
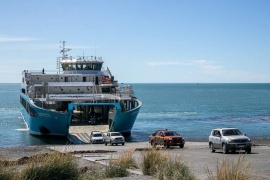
x=114 y=138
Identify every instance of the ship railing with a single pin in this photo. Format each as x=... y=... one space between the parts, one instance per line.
x=81 y=97
x=43 y=71
x=81 y=58
x=40 y=96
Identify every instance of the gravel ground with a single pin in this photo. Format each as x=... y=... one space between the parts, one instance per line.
x=15 y=153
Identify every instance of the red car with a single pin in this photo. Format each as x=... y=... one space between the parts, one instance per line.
x=166 y=138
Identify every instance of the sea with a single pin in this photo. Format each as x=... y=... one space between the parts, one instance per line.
x=191 y=109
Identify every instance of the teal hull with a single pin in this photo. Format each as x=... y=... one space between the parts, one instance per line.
x=45 y=122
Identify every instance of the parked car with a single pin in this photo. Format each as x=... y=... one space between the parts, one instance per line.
x=229 y=139
x=96 y=137
x=114 y=138
x=166 y=138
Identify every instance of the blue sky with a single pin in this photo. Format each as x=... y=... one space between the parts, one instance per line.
x=141 y=41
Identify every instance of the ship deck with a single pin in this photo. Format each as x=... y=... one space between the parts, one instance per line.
x=80 y=134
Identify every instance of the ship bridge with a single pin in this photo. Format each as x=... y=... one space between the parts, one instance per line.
x=81 y=63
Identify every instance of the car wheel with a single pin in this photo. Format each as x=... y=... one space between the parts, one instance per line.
x=105 y=143
x=248 y=150
x=166 y=145
x=212 y=148
x=224 y=149
x=181 y=145
x=123 y=144
x=153 y=144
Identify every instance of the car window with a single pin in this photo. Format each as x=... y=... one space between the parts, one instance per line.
x=161 y=134
x=170 y=133
x=231 y=132
x=97 y=135
x=116 y=134
x=216 y=133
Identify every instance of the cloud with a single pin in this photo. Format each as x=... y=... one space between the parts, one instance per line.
x=15 y=39
x=208 y=66
x=169 y=63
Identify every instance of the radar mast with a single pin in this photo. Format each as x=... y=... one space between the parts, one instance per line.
x=64 y=49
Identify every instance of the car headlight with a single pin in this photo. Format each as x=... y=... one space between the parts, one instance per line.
x=170 y=138
x=229 y=140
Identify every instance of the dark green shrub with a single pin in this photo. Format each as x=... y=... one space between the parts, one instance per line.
x=113 y=171
x=125 y=160
x=53 y=166
x=5 y=175
x=236 y=170
x=5 y=172
x=152 y=160
x=175 y=169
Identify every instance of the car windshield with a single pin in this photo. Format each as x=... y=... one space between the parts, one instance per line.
x=231 y=132
x=97 y=135
x=115 y=134
x=171 y=133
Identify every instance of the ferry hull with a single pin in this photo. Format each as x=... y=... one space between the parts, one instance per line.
x=124 y=121
x=46 y=122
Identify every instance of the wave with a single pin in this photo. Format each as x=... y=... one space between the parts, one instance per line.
x=9 y=109
x=24 y=129
x=168 y=113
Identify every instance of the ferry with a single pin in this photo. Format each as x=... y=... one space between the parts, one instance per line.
x=79 y=92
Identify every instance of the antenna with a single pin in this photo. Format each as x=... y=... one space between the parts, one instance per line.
x=64 y=49
x=95 y=48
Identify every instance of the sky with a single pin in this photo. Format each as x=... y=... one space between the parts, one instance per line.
x=141 y=41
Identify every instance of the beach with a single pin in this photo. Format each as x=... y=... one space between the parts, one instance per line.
x=196 y=154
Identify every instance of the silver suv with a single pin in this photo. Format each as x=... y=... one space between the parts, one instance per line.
x=96 y=137
x=114 y=138
x=229 y=139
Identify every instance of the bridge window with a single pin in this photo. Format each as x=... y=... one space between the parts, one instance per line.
x=79 y=66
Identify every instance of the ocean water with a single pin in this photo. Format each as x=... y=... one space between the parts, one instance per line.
x=190 y=109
